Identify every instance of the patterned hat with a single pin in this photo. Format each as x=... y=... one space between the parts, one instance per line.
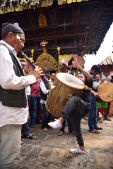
x=11 y=27
x=64 y=61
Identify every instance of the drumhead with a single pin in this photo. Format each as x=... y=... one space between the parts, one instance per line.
x=70 y=80
x=105 y=91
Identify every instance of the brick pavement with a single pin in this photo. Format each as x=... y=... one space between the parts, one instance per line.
x=49 y=151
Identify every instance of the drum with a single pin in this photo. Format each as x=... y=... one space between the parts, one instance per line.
x=111 y=109
x=66 y=86
x=105 y=91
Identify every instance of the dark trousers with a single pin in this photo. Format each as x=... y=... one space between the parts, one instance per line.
x=74 y=110
x=25 y=129
x=92 y=115
x=70 y=128
x=34 y=106
x=45 y=117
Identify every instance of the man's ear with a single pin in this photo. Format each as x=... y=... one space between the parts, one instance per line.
x=10 y=34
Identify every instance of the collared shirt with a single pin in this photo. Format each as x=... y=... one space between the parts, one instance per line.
x=51 y=82
x=44 y=90
x=9 y=80
x=43 y=87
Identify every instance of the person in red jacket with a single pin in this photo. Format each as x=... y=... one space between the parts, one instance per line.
x=34 y=107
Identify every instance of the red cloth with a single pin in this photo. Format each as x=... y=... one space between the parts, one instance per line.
x=101 y=110
x=35 y=89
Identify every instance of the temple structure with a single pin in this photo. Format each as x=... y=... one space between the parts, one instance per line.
x=71 y=25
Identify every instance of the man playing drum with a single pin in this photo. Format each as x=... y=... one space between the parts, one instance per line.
x=76 y=108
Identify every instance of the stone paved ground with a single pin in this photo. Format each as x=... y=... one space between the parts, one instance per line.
x=50 y=151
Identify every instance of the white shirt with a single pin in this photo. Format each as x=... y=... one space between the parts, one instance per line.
x=28 y=90
x=43 y=89
x=9 y=80
x=96 y=85
x=51 y=82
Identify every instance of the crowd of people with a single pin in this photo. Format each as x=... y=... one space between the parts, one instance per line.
x=23 y=98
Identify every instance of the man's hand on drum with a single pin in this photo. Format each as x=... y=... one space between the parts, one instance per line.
x=37 y=72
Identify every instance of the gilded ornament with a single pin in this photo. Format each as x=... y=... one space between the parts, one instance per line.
x=24 y=2
x=19 y=5
x=32 y=53
x=58 y=49
x=69 y=1
x=60 y=2
x=18 y=8
x=1 y=11
x=36 y=2
x=9 y=10
x=45 y=60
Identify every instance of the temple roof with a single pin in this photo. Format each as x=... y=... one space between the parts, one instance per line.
x=74 y=25
x=107 y=61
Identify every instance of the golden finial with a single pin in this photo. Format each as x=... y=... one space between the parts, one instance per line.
x=44 y=44
x=58 y=49
x=32 y=53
